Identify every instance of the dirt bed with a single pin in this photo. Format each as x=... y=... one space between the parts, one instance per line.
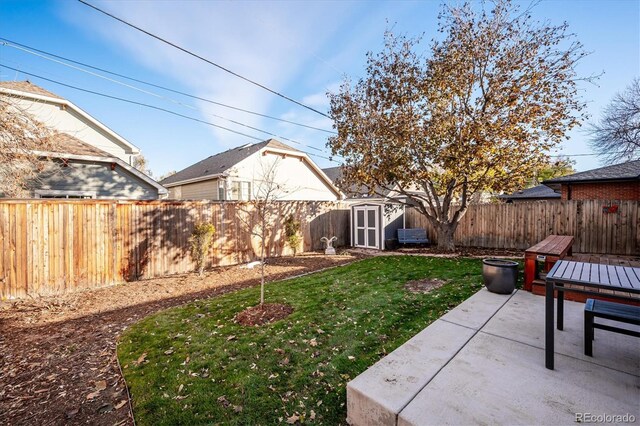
x=57 y=355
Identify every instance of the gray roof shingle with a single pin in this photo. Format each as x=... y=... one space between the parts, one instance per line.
x=28 y=87
x=537 y=192
x=223 y=161
x=623 y=171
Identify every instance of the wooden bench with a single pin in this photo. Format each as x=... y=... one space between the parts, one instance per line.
x=412 y=236
x=549 y=251
x=620 y=312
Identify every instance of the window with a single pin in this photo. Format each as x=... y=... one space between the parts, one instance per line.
x=240 y=191
x=221 y=192
x=52 y=193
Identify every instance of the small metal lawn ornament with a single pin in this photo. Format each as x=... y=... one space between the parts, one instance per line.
x=329 y=241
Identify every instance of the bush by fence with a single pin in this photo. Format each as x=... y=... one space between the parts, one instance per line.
x=608 y=227
x=57 y=246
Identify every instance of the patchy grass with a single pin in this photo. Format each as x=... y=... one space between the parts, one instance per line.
x=194 y=365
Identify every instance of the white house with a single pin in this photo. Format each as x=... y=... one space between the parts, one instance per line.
x=93 y=160
x=242 y=173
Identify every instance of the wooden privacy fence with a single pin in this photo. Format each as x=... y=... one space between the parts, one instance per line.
x=58 y=246
x=609 y=227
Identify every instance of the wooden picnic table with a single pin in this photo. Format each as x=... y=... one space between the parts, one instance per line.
x=549 y=251
x=592 y=277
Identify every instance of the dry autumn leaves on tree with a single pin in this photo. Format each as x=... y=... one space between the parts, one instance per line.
x=479 y=111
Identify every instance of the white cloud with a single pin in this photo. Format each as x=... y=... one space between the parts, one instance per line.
x=267 y=42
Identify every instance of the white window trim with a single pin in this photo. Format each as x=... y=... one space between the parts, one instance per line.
x=43 y=193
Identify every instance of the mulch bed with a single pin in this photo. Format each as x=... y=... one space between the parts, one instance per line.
x=58 y=360
x=424 y=286
x=464 y=252
x=263 y=314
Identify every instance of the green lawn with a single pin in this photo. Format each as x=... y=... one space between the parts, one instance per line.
x=194 y=365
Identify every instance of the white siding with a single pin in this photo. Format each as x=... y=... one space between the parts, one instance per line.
x=296 y=178
x=70 y=122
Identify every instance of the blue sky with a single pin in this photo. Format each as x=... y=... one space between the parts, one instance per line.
x=299 y=48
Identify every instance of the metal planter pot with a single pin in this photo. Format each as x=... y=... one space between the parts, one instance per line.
x=499 y=275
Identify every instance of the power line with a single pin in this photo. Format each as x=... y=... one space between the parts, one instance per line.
x=151 y=107
x=186 y=105
x=41 y=53
x=203 y=59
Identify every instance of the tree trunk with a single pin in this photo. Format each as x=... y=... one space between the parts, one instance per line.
x=445 y=236
x=262 y=249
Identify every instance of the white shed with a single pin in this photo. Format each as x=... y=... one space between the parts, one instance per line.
x=375 y=224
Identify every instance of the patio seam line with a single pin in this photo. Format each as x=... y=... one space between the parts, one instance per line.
x=457 y=352
x=462 y=325
x=560 y=354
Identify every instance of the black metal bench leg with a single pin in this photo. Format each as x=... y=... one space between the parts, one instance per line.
x=560 y=319
x=548 y=326
x=588 y=334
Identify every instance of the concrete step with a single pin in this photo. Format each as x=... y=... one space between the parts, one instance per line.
x=377 y=396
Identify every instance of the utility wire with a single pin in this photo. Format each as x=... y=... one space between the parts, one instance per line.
x=178 y=102
x=43 y=54
x=150 y=106
x=203 y=59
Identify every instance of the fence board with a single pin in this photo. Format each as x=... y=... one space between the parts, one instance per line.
x=56 y=246
x=521 y=225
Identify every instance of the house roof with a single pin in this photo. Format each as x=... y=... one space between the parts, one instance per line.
x=29 y=90
x=353 y=191
x=28 y=87
x=537 y=192
x=68 y=144
x=220 y=163
x=623 y=171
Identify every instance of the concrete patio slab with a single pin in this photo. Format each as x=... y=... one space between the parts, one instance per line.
x=477 y=310
x=522 y=320
x=497 y=375
x=497 y=381
x=380 y=393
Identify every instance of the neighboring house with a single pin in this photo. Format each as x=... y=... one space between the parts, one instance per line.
x=358 y=193
x=240 y=174
x=537 y=193
x=94 y=161
x=616 y=182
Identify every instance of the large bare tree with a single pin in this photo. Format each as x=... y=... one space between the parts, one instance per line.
x=24 y=145
x=478 y=114
x=616 y=136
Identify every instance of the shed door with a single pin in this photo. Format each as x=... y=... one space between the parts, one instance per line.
x=366 y=224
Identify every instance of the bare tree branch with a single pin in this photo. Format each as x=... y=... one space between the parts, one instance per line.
x=616 y=137
x=22 y=138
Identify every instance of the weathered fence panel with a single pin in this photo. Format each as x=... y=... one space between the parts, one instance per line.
x=521 y=225
x=59 y=246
